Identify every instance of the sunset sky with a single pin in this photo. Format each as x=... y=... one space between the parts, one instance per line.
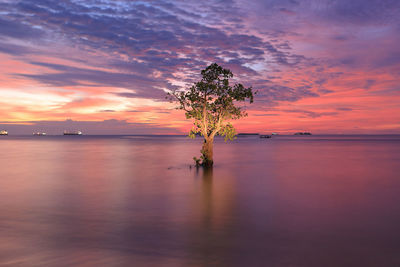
x=104 y=66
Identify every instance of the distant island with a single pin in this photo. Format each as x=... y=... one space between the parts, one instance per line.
x=302 y=133
x=247 y=134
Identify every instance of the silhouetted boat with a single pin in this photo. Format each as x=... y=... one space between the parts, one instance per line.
x=265 y=136
x=72 y=133
x=3 y=132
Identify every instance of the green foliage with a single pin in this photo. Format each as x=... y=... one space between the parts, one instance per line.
x=197 y=161
x=211 y=103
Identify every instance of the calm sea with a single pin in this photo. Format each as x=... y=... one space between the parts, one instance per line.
x=135 y=201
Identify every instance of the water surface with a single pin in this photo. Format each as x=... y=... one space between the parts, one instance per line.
x=135 y=201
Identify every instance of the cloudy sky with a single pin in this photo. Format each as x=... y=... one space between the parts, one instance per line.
x=104 y=66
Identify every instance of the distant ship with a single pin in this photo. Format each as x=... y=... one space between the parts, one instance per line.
x=302 y=133
x=3 y=132
x=72 y=133
x=39 y=133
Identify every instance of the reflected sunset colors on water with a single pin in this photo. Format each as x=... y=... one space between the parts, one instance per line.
x=288 y=201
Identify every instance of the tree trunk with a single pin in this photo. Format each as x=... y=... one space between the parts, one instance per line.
x=207 y=152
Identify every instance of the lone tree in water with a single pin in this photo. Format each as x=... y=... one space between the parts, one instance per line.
x=211 y=103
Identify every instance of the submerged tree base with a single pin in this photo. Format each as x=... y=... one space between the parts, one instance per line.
x=206 y=158
x=203 y=163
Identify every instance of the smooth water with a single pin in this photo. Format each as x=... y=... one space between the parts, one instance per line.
x=134 y=201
